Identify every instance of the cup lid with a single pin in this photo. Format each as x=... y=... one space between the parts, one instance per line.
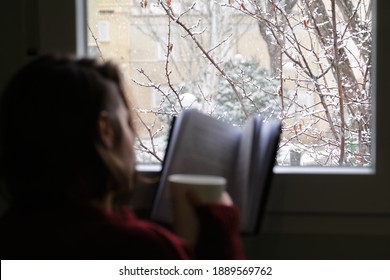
x=197 y=179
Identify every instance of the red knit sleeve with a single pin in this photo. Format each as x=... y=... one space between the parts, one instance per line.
x=219 y=235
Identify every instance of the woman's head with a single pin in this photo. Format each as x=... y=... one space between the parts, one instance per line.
x=65 y=129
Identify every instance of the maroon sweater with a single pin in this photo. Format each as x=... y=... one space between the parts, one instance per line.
x=71 y=231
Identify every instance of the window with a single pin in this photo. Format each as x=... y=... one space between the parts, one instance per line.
x=238 y=58
x=103 y=31
x=305 y=193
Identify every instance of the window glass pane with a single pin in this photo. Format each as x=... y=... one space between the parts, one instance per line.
x=307 y=63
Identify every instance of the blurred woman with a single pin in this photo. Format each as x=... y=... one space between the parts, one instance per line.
x=67 y=158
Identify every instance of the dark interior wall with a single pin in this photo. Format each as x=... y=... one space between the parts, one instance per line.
x=12 y=43
x=32 y=27
x=317 y=247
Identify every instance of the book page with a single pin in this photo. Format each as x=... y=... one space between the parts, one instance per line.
x=200 y=145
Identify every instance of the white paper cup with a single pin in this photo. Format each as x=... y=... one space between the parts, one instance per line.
x=208 y=188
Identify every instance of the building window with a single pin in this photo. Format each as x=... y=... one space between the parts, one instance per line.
x=103 y=31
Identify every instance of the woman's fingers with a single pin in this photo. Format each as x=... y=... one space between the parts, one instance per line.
x=196 y=200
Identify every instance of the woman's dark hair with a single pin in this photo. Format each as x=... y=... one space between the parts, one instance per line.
x=48 y=127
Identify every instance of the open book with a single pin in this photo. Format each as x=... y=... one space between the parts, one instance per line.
x=201 y=144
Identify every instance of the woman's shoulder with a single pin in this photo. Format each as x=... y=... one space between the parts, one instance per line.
x=87 y=232
x=144 y=237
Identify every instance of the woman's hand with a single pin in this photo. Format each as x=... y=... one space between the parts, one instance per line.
x=196 y=200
